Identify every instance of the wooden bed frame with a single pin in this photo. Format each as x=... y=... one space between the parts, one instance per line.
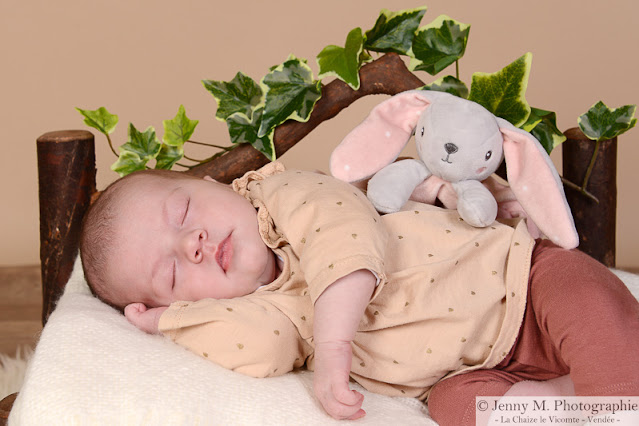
x=66 y=173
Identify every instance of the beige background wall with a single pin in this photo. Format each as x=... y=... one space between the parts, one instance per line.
x=142 y=59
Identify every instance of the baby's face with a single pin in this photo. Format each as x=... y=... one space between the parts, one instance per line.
x=187 y=239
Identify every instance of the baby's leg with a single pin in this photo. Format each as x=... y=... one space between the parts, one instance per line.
x=452 y=401
x=580 y=319
x=589 y=317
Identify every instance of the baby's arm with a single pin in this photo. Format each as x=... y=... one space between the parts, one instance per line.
x=144 y=318
x=338 y=237
x=337 y=314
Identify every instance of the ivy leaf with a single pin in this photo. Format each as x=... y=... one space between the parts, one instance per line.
x=449 y=84
x=128 y=162
x=241 y=94
x=542 y=125
x=179 y=129
x=100 y=119
x=438 y=45
x=503 y=92
x=532 y=121
x=600 y=123
x=168 y=156
x=139 y=149
x=394 y=31
x=243 y=129
x=146 y=144
x=343 y=62
x=291 y=93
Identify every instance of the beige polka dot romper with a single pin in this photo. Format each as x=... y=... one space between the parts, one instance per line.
x=450 y=297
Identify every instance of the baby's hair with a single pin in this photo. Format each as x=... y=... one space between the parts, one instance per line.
x=98 y=234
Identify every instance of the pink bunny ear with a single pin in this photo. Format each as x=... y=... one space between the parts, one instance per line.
x=537 y=186
x=379 y=139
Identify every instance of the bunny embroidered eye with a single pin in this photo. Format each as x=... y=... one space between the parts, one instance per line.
x=422 y=131
x=488 y=155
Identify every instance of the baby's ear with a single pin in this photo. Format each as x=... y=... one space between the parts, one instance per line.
x=209 y=178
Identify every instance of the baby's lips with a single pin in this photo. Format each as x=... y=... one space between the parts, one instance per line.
x=224 y=253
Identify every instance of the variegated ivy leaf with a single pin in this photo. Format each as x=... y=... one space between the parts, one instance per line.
x=179 y=129
x=532 y=121
x=100 y=119
x=449 y=84
x=241 y=94
x=542 y=125
x=438 y=45
x=139 y=149
x=243 y=129
x=394 y=31
x=168 y=156
x=600 y=123
x=128 y=162
x=343 y=62
x=146 y=145
x=503 y=92
x=291 y=93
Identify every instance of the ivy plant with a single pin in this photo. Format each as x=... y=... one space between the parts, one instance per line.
x=289 y=91
x=601 y=123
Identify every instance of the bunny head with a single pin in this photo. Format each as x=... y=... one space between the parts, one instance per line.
x=460 y=146
x=457 y=141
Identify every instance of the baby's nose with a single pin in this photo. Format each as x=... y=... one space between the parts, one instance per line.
x=194 y=245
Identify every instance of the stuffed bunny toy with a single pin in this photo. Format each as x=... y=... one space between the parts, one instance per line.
x=460 y=144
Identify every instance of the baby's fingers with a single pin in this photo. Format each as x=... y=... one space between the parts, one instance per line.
x=133 y=310
x=344 y=403
x=352 y=400
x=346 y=396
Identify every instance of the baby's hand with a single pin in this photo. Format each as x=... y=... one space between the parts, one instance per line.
x=330 y=383
x=144 y=318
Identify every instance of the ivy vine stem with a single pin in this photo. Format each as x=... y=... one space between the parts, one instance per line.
x=590 y=166
x=457 y=69
x=225 y=148
x=191 y=159
x=111 y=145
x=576 y=187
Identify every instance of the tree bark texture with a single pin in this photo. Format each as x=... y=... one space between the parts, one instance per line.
x=595 y=222
x=66 y=180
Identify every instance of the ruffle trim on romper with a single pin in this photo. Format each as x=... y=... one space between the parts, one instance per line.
x=271 y=237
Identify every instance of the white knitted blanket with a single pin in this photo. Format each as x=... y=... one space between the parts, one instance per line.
x=92 y=367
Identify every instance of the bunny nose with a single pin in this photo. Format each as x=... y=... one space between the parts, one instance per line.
x=450 y=148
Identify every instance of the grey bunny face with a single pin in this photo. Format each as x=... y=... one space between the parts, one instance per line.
x=459 y=143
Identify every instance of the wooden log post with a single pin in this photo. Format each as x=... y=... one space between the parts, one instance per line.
x=595 y=222
x=5 y=408
x=66 y=181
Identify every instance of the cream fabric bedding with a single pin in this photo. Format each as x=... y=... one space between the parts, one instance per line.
x=92 y=367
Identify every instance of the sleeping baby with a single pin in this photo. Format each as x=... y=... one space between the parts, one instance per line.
x=289 y=269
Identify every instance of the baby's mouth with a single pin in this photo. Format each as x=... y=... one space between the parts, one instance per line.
x=224 y=253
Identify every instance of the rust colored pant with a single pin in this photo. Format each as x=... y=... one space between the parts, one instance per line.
x=579 y=319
